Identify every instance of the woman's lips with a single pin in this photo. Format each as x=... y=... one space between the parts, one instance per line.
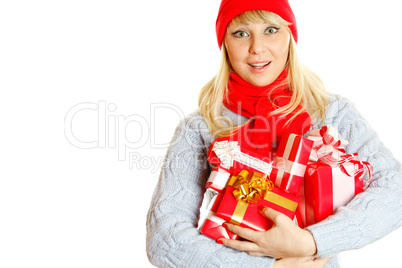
x=259 y=67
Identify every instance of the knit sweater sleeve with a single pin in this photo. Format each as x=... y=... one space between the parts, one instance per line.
x=375 y=212
x=173 y=239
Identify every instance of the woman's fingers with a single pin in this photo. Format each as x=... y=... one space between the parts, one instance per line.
x=270 y=213
x=251 y=246
x=245 y=233
x=240 y=245
x=256 y=254
x=321 y=262
x=283 y=240
x=304 y=262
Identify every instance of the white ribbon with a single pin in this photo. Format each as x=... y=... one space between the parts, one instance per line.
x=286 y=166
x=226 y=151
x=343 y=187
x=327 y=143
x=208 y=202
x=218 y=179
x=229 y=151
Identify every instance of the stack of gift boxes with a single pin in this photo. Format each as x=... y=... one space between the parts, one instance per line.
x=309 y=179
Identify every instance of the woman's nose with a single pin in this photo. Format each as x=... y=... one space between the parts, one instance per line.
x=257 y=45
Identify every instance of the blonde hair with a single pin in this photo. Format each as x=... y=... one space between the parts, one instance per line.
x=306 y=86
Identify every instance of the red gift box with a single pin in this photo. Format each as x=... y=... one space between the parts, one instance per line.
x=217 y=179
x=212 y=227
x=329 y=187
x=332 y=178
x=246 y=214
x=291 y=162
x=230 y=156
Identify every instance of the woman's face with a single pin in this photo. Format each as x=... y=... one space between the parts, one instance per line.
x=257 y=51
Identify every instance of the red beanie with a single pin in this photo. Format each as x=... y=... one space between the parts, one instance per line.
x=231 y=8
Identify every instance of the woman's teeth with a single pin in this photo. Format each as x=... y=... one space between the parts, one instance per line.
x=259 y=65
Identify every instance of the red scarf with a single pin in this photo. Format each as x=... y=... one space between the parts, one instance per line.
x=262 y=134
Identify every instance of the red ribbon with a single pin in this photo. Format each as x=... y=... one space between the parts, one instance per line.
x=329 y=150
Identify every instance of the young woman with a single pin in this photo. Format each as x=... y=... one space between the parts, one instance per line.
x=260 y=92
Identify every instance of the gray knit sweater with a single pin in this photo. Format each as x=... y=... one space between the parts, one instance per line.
x=174 y=241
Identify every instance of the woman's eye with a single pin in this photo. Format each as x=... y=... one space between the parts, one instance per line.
x=240 y=34
x=271 y=30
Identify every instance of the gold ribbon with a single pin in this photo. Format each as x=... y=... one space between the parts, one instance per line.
x=242 y=175
x=251 y=188
x=281 y=201
x=239 y=212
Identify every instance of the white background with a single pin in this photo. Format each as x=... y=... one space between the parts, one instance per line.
x=134 y=68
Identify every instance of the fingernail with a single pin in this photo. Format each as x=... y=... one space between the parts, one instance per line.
x=219 y=241
x=224 y=225
x=260 y=208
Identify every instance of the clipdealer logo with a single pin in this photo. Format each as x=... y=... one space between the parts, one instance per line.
x=113 y=131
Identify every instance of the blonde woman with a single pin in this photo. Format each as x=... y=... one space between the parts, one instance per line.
x=261 y=92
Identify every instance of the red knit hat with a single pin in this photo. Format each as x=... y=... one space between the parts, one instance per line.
x=231 y=8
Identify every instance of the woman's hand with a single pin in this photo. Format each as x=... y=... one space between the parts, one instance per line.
x=284 y=240
x=305 y=262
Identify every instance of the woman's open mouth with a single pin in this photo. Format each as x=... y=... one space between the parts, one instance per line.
x=259 y=65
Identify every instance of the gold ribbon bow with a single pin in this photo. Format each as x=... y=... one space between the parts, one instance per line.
x=251 y=188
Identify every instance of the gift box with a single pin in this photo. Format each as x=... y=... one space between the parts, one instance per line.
x=218 y=179
x=290 y=162
x=230 y=156
x=329 y=188
x=333 y=179
x=211 y=226
x=241 y=200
